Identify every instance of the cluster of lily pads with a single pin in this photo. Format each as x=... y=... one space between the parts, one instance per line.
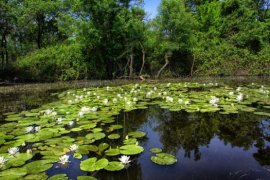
x=83 y=123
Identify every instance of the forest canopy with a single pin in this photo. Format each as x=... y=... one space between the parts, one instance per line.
x=48 y=40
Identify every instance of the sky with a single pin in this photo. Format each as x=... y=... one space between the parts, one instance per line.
x=151 y=7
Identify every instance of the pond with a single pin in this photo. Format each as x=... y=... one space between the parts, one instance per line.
x=141 y=131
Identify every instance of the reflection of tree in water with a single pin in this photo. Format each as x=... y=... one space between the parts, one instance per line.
x=240 y=130
x=263 y=153
x=190 y=131
x=183 y=130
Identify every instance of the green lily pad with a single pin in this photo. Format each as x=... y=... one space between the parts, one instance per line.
x=58 y=177
x=131 y=149
x=137 y=134
x=40 y=176
x=156 y=150
x=96 y=135
x=114 y=136
x=92 y=164
x=86 y=178
x=112 y=152
x=164 y=159
x=38 y=166
x=13 y=173
x=114 y=166
x=102 y=146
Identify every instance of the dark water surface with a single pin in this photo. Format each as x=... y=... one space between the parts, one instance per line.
x=207 y=146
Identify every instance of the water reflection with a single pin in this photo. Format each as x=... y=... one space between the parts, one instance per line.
x=207 y=145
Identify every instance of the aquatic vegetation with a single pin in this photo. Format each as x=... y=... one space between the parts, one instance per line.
x=13 y=150
x=124 y=159
x=82 y=124
x=3 y=160
x=64 y=159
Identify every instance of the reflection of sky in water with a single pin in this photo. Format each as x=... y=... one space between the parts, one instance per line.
x=215 y=159
x=72 y=169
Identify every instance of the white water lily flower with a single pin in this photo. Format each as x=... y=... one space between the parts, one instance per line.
x=180 y=100
x=108 y=87
x=94 y=109
x=54 y=113
x=148 y=94
x=231 y=93
x=135 y=99
x=124 y=159
x=85 y=109
x=187 y=102
x=64 y=159
x=29 y=129
x=71 y=123
x=13 y=150
x=29 y=151
x=59 y=120
x=214 y=100
x=98 y=97
x=128 y=103
x=2 y=161
x=169 y=99
x=238 y=89
x=73 y=147
x=81 y=113
x=105 y=101
x=155 y=88
x=240 y=97
x=37 y=128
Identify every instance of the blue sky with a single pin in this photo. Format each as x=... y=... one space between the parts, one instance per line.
x=151 y=7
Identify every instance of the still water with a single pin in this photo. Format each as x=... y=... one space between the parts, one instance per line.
x=207 y=146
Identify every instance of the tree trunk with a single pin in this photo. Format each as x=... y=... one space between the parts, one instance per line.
x=163 y=67
x=40 y=24
x=143 y=59
x=192 y=67
x=131 y=65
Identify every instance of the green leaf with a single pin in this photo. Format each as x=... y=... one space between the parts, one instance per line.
x=114 y=136
x=156 y=150
x=137 y=134
x=131 y=149
x=92 y=164
x=38 y=166
x=164 y=159
x=58 y=177
x=86 y=178
x=114 y=166
x=112 y=152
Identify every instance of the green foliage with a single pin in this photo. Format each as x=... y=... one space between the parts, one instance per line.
x=59 y=62
x=113 y=38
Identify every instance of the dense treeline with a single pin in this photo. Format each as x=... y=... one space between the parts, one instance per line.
x=102 y=39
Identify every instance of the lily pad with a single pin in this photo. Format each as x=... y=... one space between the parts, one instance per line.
x=156 y=150
x=86 y=178
x=38 y=166
x=112 y=152
x=164 y=159
x=114 y=136
x=114 y=166
x=131 y=149
x=137 y=134
x=92 y=164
